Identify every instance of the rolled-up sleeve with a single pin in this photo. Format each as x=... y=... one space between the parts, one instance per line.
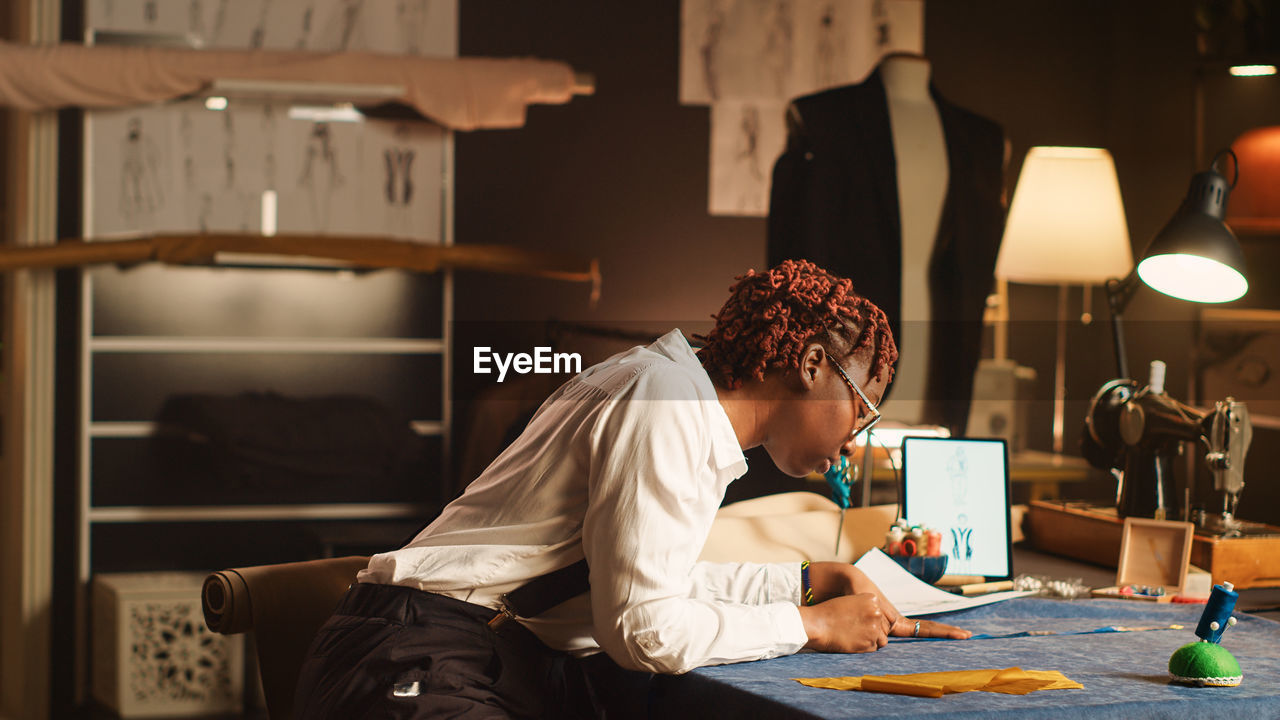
x=653 y=494
x=750 y=583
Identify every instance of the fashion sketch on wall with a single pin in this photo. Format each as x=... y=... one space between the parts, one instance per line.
x=407 y=162
x=741 y=161
x=133 y=176
x=181 y=167
x=414 y=27
x=762 y=53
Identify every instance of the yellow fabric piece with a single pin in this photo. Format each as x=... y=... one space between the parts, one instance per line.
x=1010 y=681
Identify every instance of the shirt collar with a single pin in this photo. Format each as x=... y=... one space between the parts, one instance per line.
x=726 y=453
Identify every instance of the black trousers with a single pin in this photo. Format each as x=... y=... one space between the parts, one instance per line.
x=396 y=652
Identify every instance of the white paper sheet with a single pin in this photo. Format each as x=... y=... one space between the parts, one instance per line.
x=913 y=597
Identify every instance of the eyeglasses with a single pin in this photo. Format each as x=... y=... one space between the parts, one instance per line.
x=866 y=420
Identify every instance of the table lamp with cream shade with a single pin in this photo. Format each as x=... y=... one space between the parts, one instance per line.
x=1066 y=226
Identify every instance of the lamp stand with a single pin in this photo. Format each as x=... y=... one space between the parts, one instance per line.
x=1060 y=372
x=1119 y=293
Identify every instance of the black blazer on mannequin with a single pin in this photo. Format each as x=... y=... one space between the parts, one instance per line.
x=835 y=201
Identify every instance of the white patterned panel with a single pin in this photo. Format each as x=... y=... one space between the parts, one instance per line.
x=152 y=653
x=175 y=658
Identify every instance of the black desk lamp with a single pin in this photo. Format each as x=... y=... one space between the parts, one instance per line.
x=1195 y=257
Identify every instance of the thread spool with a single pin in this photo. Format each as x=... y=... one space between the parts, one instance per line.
x=1156 y=380
x=893 y=541
x=933 y=543
x=909 y=546
x=1217 y=612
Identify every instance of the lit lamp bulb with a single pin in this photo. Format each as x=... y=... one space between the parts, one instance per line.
x=1194 y=278
x=1196 y=256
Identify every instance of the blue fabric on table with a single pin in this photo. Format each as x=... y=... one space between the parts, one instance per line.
x=1125 y=674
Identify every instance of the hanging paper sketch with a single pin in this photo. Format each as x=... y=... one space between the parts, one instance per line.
x=222 y=160
x=739 y=54
x=741 y=158
x=320 y=177
x=415 y=27
x=407 y=159
x=132 y=181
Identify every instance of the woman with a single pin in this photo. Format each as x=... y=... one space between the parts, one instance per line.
x=621 y=471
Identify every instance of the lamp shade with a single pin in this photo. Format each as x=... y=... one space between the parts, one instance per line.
x=1196 y=256
x=1255 y=200
x=1066 y=224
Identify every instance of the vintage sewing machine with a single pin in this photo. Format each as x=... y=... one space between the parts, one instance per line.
x=1137 y=431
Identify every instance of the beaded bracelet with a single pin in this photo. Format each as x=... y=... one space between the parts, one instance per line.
x=806 y=589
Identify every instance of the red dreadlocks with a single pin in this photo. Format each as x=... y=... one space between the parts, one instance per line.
x=770 y=317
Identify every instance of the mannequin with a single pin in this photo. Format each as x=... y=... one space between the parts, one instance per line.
x=888 y=183
x=920 y=152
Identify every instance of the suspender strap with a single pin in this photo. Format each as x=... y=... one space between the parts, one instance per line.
x=544 y=592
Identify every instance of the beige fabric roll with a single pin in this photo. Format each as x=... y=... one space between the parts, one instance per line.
x=458 y=93
x=793 y=527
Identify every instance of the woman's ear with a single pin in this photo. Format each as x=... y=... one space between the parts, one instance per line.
x=812 y=358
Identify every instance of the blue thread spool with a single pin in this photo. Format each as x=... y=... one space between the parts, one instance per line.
x=1217 y=613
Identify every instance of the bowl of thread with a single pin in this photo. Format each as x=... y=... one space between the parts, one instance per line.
x=926 y=567
x=918 y=550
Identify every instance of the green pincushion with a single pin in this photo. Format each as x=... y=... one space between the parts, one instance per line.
x=1205 y=663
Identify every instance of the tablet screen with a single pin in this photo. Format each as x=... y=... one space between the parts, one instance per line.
x=960 y=487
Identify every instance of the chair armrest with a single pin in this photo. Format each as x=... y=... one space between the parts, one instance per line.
x=225 y=600
x=306 y=590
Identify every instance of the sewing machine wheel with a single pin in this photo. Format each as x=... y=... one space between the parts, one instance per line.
x=1100 y=442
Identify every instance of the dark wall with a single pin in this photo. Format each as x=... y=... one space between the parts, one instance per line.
x=622 y=175
x=1113 y=75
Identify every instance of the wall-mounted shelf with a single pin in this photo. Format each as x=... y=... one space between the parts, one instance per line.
x=334 y=252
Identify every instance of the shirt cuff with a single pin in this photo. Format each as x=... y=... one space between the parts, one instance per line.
x=784 y=583
x=790 y=627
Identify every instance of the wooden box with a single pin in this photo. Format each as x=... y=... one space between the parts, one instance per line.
x=1093 y=534
x=153 y=654
x=1153 y=553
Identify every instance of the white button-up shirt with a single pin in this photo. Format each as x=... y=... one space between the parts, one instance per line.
x=626 y=463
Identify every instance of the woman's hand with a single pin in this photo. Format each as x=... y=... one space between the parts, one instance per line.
x=837 y=581
x=847 y=624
